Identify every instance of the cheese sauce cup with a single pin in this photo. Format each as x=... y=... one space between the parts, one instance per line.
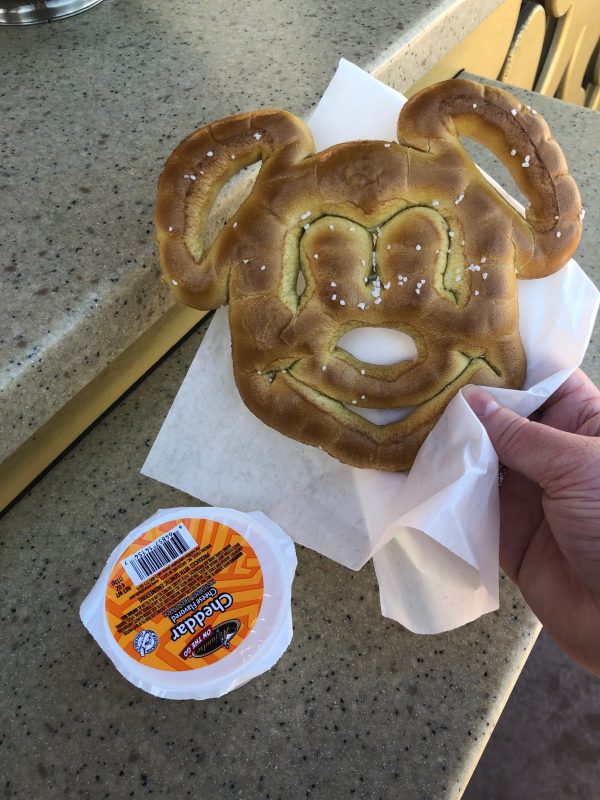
x=195 y=601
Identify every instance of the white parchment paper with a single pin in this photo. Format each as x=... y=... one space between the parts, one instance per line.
x=432 y=532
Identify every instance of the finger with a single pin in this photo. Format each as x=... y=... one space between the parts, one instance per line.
x=577 y=385
x=574 y=407
x=521 y=514
x=534 y=450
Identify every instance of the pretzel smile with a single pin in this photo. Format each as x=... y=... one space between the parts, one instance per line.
x=308 y=392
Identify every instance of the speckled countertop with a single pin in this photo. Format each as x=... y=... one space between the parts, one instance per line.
x=357 y=706
x=90 y=109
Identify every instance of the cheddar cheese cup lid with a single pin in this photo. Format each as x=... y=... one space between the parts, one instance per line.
x=195 y=601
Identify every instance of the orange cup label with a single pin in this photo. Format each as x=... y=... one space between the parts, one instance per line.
x=184 y=594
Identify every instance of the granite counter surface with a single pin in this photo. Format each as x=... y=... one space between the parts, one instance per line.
x=90 y=108
x=357 y=707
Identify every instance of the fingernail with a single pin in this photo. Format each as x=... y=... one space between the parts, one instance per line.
x=480 y=401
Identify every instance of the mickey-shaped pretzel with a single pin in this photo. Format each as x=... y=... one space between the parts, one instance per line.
x=405 y=235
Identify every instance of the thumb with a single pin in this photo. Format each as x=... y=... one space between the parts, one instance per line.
x=534 y=450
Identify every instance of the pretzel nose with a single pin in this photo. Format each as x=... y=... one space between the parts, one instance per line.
x=383 y=346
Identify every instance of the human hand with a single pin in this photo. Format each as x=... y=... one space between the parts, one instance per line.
x=550 y=509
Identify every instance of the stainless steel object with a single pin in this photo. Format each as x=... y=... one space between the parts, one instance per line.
x=21 y=12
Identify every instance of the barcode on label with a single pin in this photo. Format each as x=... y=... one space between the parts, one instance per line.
x=159 y=554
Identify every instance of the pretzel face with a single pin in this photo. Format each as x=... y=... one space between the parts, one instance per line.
x=365 y=234
x=394 y=273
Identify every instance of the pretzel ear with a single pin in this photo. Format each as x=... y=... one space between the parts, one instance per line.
x=190 y=182
x=522 y=141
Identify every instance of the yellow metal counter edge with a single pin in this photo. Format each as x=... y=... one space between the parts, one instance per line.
x=55 y=436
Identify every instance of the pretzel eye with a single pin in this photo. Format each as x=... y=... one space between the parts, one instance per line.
x=420 y=240
x=336 y=257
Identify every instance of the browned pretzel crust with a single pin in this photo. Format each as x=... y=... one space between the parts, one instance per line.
x=408 y=236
